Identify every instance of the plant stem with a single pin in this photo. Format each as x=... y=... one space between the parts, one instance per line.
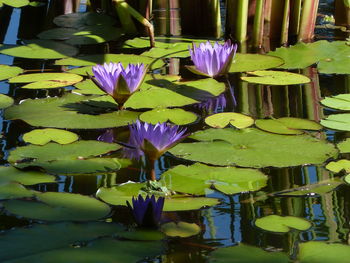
x=285 y=23
x=242 y=20
x=153 y=170
x=124 y=17
x=308 y=20
x=295 y=17
x=258 y=29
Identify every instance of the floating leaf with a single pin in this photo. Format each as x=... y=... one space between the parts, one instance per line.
x=317 y=251
x=176 y=116
x=12 y=190
x=5 y=101
x=180 y=229
x=249 y=147
x=199 y=178
x=41 y=49
x=287 y=125
x=339 y=102
x=221 y=120
x=16 y=3
x=252 y=62
x=283 y=224
x=270 y=77
x=63 y=112
x=142 y=234
x=11 y=174
x=344 y=146
x=78 y=20
x=337 y=122
x=174 y=51
x=339 y=165
x=246 y=254
x=53 y=206
x=44 y=136
x=88 y=87
x=9 y=71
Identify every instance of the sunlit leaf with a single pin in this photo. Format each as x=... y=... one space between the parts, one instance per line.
x=339 y=102
x=180 y=229
x=5 y=101
x=269 y=77
x=338 y=166
x=12 y=190
x=11 y=174
x=176 y=116
x=252 y=62
x=337 y=122
x=9 y=71
x=78 y=20
x=221 y=120
x=16 y=3
x=344 y=146
x=284 y=224
x=43 y=136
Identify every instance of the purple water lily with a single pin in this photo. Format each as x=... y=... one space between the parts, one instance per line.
x=107 y=136
x=117 y=81
x=147 y=212
x=213 y=105
x=212 y=61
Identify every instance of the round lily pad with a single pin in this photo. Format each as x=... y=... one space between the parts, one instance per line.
x=252 y=62
x=344 y=146
x=44 y=136
x=338 y=166
x=52 y=206
x=249 y=147
x=88 y=87
x=16 y=3
x=64 y=112
x=78 y=20
x=58 y=33
x=337 y=122
x=5 y=101
x=221 y=120
x=281 y=78
x=283 y=224
x=11 y=174
x=9 y=71
x=198 y=178
x=339 y=102
x=176 y=116
x=287 y=125
x=41 y=49
x=180 y=229
x=12 y=190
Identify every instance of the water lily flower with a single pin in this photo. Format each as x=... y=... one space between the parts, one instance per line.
x=212 y=60
x=107 y=136
x=117 y=81
x=147 y=212
x=213 y=105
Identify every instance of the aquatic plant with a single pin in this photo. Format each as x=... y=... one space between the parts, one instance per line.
x=147 y=212
x=117 y=81
x=212 y=60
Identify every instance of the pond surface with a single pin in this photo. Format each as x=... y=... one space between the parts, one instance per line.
x=226 y=179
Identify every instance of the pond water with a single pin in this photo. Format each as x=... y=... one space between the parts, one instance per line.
x=276 y=174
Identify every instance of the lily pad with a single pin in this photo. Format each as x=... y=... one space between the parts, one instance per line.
x=88 y=87
x=287 y=125
x=344 y=146
x=16 y=3
x=9 y=71
x=339 y=102
x=53 y=206
x=246 y=254
x=252 y=62
x=12 y=190
x=5 y=101
x=78 y=20
x=269 y=77
x=198 y=178
x=176 y=116
x=164 y=93
x=11 y=174
x=41 y=49
x=180 y=229
x=249 y=147
x=44 y=136
x=283 y=224
x=175 y=51
x=46 y=80
x=63 y=112
x=317 y=251
x=221 y=120
x=337 y=122
x=338 y=166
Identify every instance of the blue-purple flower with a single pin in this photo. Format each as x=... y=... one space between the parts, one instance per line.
x=213 y=105
x=117 y=81
x=212 y=60
x=152 y=140
x=147 y=212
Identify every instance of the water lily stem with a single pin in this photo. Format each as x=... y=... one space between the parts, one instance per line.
x=153 y=170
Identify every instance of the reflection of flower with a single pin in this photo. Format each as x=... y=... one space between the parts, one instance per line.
x=118 y=82
x=212 y=61
x=147 y=212
x=152 y=140
x=107 y=136
x=213 y=105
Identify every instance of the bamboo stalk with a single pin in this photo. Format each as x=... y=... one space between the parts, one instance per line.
x=242 y=19
x=285 y=23
x=258 y=28
x=308 y=20
x=294 y=22
x=215 y=6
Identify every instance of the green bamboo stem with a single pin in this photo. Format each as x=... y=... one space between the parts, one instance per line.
x=295 y=17
x=242 y=19
x=124 y=17
x=215 y=6
x=285 y=23
x=258 y=28
x=308 y=20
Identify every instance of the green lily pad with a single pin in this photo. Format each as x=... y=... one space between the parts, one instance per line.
x=246 y=254
x=142 y=234
x=46 y=80
x=78 y=20
x=221 y=120
x=180 y=229
x=347 y=179
x=12 y=190
x=44 y=136
x=41 y=49
x=338 y=166
x=339 y=102
x=198 y=178
x=125 y=59
x=5 y=101
x=63 y=112
x=163 y=42
x=9 y=71
x=249 y=147
x=11 y=174
x=16 y=3
x=287 y=125
x=269 y=77
x=337 y=122
x=88 y=87
x=174 y=51
x=344 y=146
x=53 y=206
x=317 y=251
x=164 y=93
x=176 y=116
x=252 y=62
x=283 y=224
x=58 y=33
